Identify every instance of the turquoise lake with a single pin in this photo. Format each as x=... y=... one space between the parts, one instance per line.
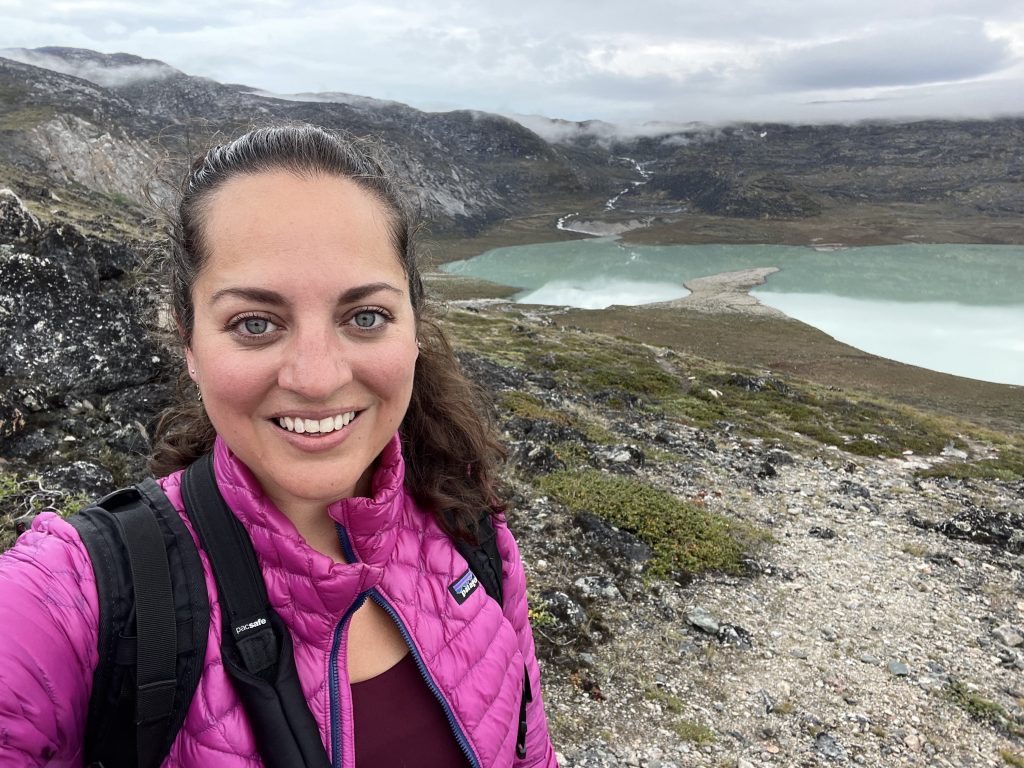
x=952 y=308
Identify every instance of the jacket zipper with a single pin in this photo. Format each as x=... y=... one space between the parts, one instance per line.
x=336 y=681
x=335 y=675
x=460 y=737
x=378 y=598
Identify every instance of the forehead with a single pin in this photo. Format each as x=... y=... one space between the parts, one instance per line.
x=297 y=222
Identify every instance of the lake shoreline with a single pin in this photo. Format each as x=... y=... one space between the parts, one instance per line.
x=777 y=343
x=782 y=344
x=732 y=326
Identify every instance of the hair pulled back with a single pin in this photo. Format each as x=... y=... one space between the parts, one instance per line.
x=450 y=449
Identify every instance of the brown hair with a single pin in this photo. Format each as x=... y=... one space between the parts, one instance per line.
x=448 y=441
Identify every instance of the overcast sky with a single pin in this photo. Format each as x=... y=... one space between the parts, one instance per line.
x=627 y=61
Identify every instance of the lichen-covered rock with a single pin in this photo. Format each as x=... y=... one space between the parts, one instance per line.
x=95 y=260
x=58 y=330
x=16 y=221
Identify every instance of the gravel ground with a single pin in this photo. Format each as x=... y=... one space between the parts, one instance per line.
x=865 y=636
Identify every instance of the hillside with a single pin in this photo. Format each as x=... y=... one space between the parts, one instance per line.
x=727 y=567
x=746 y=547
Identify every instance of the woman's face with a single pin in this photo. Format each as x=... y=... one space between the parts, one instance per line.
x=304 y=342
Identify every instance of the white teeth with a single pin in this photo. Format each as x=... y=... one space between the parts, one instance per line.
x=314 y=426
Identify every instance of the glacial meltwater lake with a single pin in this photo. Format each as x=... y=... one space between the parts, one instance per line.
x=952 y=308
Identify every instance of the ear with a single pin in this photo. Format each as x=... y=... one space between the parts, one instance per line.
x=179 y=327
x=190 y=360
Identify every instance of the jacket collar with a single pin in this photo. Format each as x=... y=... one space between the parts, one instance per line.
x=296 y=574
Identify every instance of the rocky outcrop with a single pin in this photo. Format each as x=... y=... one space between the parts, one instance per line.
x=76 y=337
x=74 y=151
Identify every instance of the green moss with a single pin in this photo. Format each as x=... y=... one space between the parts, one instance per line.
x=654 y=454
x=596 y=363
x=1009 y=466
x=21 y=497
x=1012 y=758
x=667 y=700
x=539 y=616
x=527 y=406
x=25 y=118
x=695 y=733
x=974 y=704
x=773 y=408
x=574 y=455
x=983 y=709
x=500 y=339
x=684 y=536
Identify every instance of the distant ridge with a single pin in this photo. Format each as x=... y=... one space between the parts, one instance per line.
x=113 y=124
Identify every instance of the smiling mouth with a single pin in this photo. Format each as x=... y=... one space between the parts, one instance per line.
x=316 y=426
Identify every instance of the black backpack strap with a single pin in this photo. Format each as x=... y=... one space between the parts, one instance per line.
x=153 y=624
x=483 y=557
x=485 y=562
x=255 y=643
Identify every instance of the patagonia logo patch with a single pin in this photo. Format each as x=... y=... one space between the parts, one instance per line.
x=464 y=587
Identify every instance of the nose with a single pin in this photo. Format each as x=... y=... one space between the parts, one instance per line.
x=316 y=364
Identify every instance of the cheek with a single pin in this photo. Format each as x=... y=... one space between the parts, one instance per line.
x=230 y=383
x=391 y=376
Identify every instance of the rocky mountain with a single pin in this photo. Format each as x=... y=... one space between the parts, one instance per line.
x=793 y=171
x=114 y=129
x=120 y=124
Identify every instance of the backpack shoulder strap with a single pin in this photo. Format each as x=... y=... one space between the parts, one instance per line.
x=256 y=645
x=485 y=562
x=153 y=624
x=483 y=557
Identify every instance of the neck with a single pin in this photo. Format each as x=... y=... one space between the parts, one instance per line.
x=317 y=528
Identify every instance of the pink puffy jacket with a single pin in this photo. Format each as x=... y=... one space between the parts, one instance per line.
x=472 y=655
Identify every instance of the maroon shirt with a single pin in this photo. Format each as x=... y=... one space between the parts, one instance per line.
x=399 y=723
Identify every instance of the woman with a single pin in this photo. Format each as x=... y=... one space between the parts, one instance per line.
x=350 y=449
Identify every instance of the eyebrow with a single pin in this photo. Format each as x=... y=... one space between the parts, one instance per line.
x=265 y=296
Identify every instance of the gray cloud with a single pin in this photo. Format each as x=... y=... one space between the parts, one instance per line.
x=913 y=55
x=579 y=59
x=109 y=76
